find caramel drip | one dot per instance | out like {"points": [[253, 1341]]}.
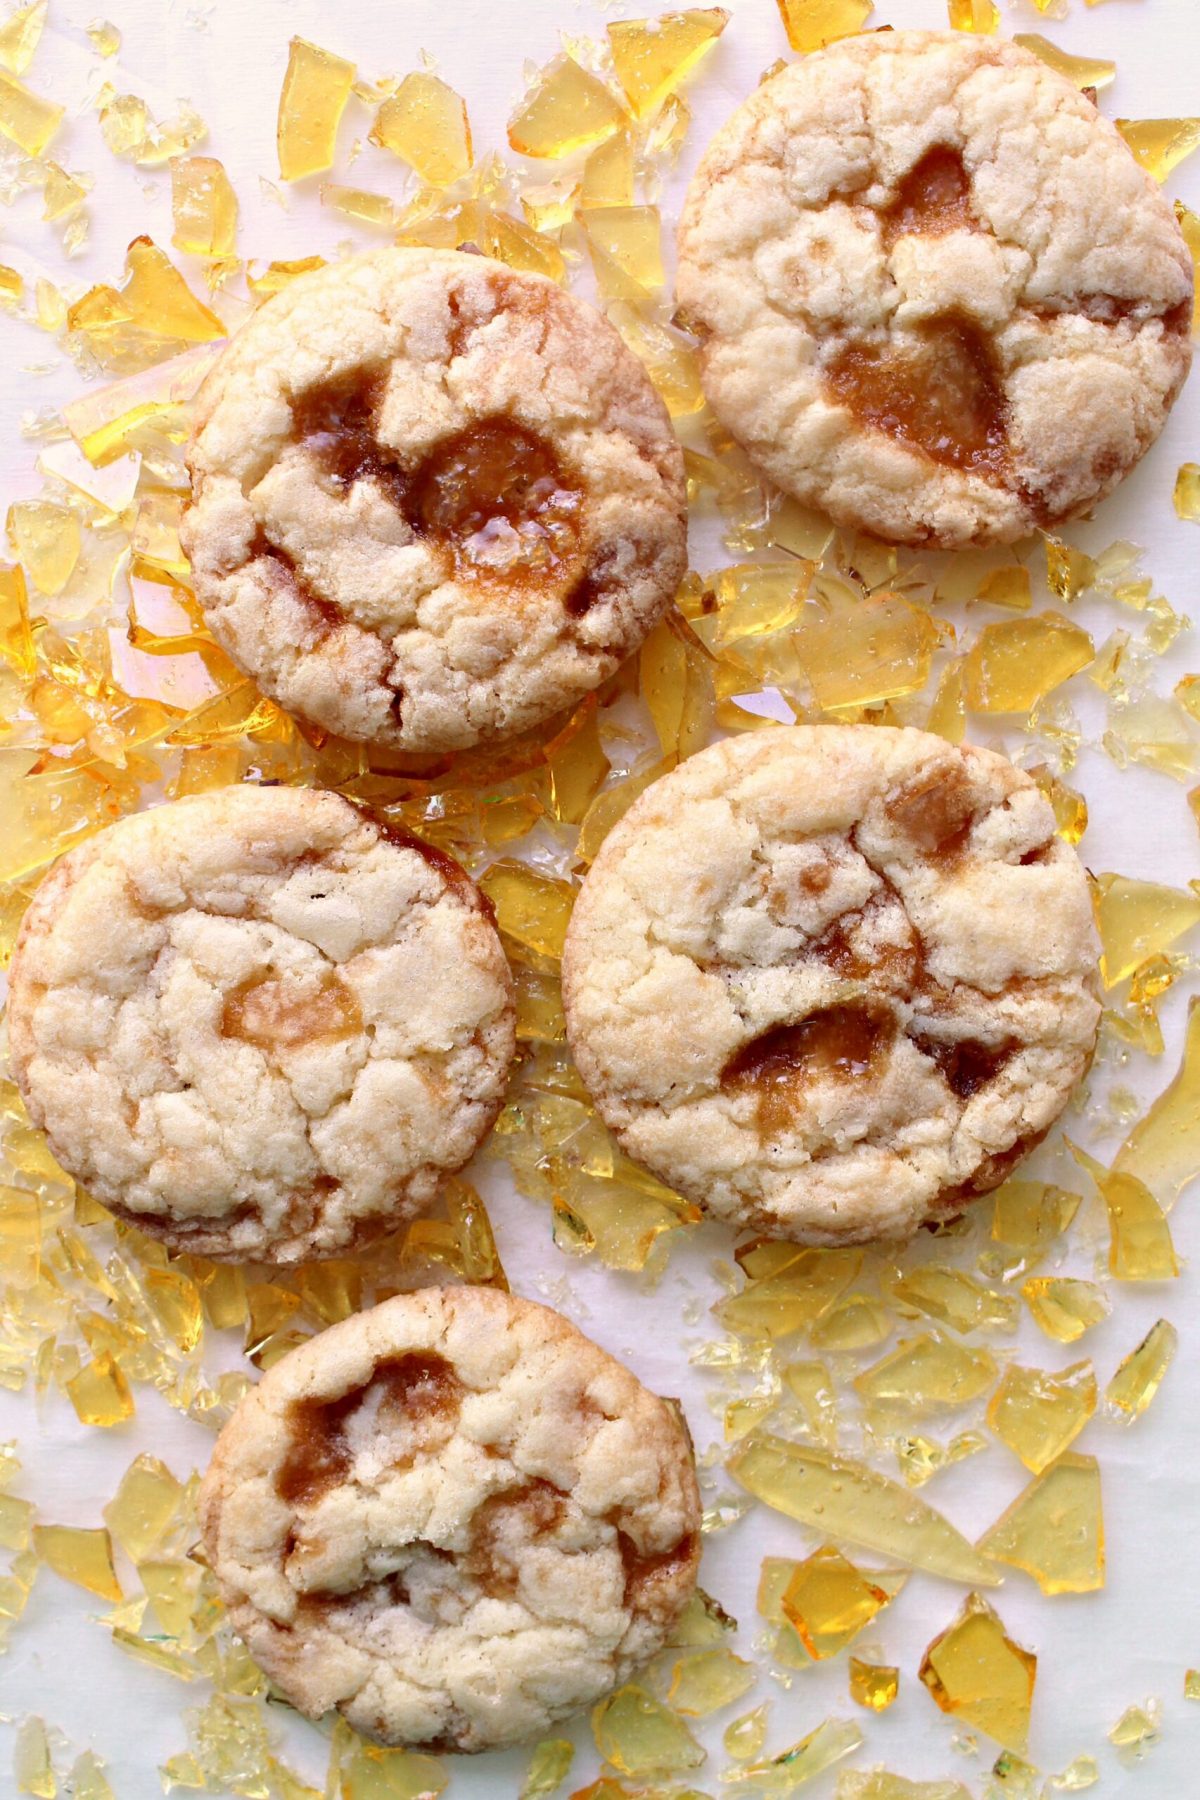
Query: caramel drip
{"points": [[939, 394], [417, 1389]]}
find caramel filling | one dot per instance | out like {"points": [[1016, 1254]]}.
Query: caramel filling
{"points": [[933, 198], [418, 1390], [285, 1012], [842, 1041], [967, 1065], [936, 811], [644, 1572], [940, 394]]}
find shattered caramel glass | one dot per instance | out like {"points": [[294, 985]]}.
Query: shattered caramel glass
{"points": [[811, 24], [1039, 1414], [652, 56], [873, 1685], [425, 124], [316, 87], [975, 1671], [1140, 1374], [1054, 1531]]}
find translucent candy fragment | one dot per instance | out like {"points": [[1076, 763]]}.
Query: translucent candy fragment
{"points": [[20, 34], [1187, 492], [16, 635], [144, 1508], [79, 1555], [1069, 571], [1140, 1374], [106, 39], [1160, 144], [566, 109], [33, 1767], [1163, 1148], [881, 1784], [955, 1299], [16, 1522], [922, 1457], [1039, 1414], [640, 1736], [129, 130], [1014, 663], [778, 1777], [1137, 920], [607, 178], [855, 1504], [425, 123], [1189, 224], [745, 1737], [1191, 1685], [511, 241], [1064, 1307], [104, 421], [829, 1601], [873, 1685], [549, 1767], [670, 364], [1080, 1773], [756, 599], [676, 680], [948, 712], [708, 1680], [1029, 1215], [652, 56], [1137, 1728], [86, 1779], [1084, 71], [795, 1296], [811, 23], [1069, 807], [857, 649], [1140, 1247], [28, 121], [278, 275], [626, 250], [203, 206], [927, 1374], [316, 87], [355, 203], [47, 538], [12, 287], [980, 16], [1055, 1529], [975, 1671], [856, 1323], [100, 1393], [532, 910], [1007, 586]]}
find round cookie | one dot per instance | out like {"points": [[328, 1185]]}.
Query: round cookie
{"points": [[434, 502], [936, 294], [259, 1022], [832, 981], [454, 1518]]}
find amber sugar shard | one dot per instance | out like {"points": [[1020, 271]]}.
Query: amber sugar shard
{"points": [[549, 1767], [812, 23], [1163, 1148], [927, 1374], [1084, 71], [975, 1671], [316, 87], [1160, 144], [1140, 1374], [954, 1298], [27, 120], [652, 56], [979, 16], [1038, 1414], [1055, 1529], [873, 1685], [81, 1556], [566, 109], [847, 1500], [1140, 1246], [639, 1736], [858, 649], [1064, 1306], [203, 206], [626, 251], [799, 1292], [1029, 1215], [1137, 920], [778, 1777], [425, 123], [829, 1601], [1014, 663]]}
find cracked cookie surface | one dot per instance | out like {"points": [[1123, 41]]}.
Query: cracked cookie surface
{"points": [[260, 1023], [453, 1517], [434, 502], [832, 981], [936, 294]]}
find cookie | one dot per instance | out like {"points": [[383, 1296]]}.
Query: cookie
{"points": [[260, 1023], [832, 981], [936, 294], [454, 1518], [434, 502]]}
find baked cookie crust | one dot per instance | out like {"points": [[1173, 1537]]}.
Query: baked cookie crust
{"points": [[434, 502], [936, 294], [455, 1518], [260, 1024], [833, 981]]}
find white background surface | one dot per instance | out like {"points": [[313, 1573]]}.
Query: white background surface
{"points": [[1099, 1652]]}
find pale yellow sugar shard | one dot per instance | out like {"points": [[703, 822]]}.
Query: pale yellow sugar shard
{"points": [[1140, 1374], [882, 1784], [835, 1494], [103, 421], [1160, 144], [27, 120], [801, 1762], [607, 178], [652, 56], [626, 248], [1014, 663], [48, 539], [548, 1768], [316, 87], [1085, 71], [979, 16], [1065, 1307], [1163, 1148], [1137, 920], [639, 1736], [954, 1298], [33, 1766], [425, 123], [1136, 1729], [145, 1507], [1029, 1215], [745, 1736], [1054, 1531], [86, 1779], [810, 24], [105, 37], [100, 1393], [927, 1374], [1140, 1246], [79, 1555], [63, 193], [1038, 1414], [708, 1680], [364, 208], [204, 207], [20, 33], [567, 109], [1189, 225]]}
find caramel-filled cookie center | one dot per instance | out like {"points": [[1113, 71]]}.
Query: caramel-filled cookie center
{"points": [[417, 1394], [286, 1012], [933, 198], [494, 496], [938, 393], [843, 1041]]}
